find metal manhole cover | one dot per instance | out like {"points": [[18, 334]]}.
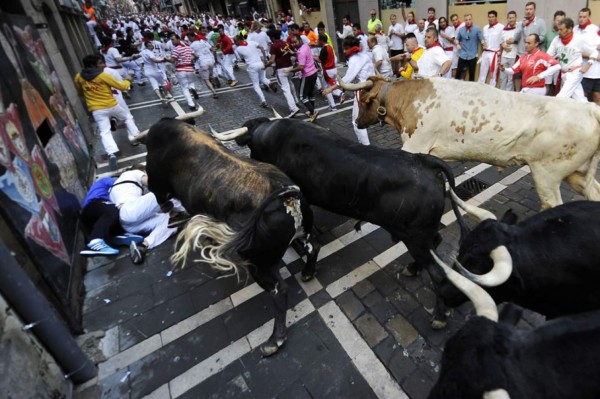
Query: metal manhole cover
{"points": [[470, 188]]}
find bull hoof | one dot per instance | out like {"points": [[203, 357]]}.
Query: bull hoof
{"points": [[307, 277], [408, 271], [438, 324], [272, 347]]}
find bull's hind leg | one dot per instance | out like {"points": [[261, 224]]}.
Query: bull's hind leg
{"points": [[547, 184], [419, 248], [591, 190], [310, 249], [270, 280]]}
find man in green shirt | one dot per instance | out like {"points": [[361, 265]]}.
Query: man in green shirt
{"points": [[373, 22], [551, 34]]}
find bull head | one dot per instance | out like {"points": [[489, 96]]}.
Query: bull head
{"points": [[191, 115], [498, 275], [235, 133], [482, 301]]}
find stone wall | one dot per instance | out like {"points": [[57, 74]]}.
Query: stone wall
{"points": [[26, 369]]}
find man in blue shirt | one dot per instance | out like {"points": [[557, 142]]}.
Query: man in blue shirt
{"points": [[467, 41]]}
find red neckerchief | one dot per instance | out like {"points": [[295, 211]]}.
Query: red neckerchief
{"points": [[456, 25], [412, 23], [242, 43], [567, 39], [492, 25], [106, 48], [360, 32], [430, 20], [351, 51], [348, 24], [435, 44], [588, 23], [468, 28], [508, 27], [528, 21]]}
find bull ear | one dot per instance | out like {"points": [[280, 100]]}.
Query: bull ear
{"points": [[509, 217], [367, 97]]}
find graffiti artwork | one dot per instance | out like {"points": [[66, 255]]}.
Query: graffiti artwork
{"points": [[44, 157]]}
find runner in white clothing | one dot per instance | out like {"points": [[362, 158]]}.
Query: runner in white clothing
{"points": [[360, 67], [155, 72], [489, 61], [569, 48], [253, 53], [205, 61], [139, 212]]}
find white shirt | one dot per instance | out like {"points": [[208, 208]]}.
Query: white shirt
{"points": [[594, 40], [150, 65], [251, 53], [396, 41], [363, 43], [360, 67], [261, 38], [493, 36], [420, 37], [592, 28], [111, 57], [509, 34], [411, 28], [380, 54], [383, 41], [126, 192], [571, 54], [202, 50], [445, 43], [431, 61]]}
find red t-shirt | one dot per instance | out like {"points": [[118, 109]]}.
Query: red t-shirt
{"points": [[226, 44], [283, 54]]}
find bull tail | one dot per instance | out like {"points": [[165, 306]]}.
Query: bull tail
{"points": [[445, 169], [210, 238]]}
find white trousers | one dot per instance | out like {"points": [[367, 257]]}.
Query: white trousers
{"points": [[135, 68], [155, 77], [228, 61], [538, 91], [287, 87], [143, 215], [361, 134], [571, 86], [186, 82], [486, 60], [257, 76], [506, 80], [102, 118], [332, 73]]}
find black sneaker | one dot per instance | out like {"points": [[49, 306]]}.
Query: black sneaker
{"points": [[293, 113], [112, 162], [113, 125], [193, 107], [137, 252], [273, 87], [179, 219], [194, 93], [264, 104]]}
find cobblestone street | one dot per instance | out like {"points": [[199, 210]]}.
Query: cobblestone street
{"points": [[360, 329]]}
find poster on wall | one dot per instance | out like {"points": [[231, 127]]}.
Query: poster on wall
{"points": [[44, 156]]}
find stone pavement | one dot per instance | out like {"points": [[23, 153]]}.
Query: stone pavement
{"points": [[358, 330]]}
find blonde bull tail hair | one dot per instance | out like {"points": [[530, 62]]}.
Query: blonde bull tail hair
{"points": [[208, 238]]}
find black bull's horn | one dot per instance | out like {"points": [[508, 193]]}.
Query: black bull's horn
{"points": [[501, 271], [367, 84], [143, 134], [482, 301], [232, 134], [479, 213]]}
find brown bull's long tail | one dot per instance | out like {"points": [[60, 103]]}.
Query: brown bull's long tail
{"points": [[209, 238], [445, 169]]}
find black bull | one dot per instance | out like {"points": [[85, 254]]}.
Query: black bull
{"points": [[255, 210], [403, 193], [553, 264], [491, 360]]}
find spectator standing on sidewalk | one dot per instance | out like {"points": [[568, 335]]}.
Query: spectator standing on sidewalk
{"points": [[467, 41]]}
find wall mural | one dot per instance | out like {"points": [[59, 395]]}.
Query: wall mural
{"points": [[44, 157]]}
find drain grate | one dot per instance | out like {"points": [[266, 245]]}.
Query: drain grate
{"points": [[470, 188]]}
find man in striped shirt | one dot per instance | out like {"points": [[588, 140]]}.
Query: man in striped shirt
{"points": [[183, 57]]}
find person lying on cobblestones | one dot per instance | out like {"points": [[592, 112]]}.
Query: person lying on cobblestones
{"points": [[139, 212], [101, 218]]}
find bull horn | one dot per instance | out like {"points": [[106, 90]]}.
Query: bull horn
{"points": [[277, 116], [367, 84], [496, 394], [482, 301], [191, 115], [498, 275], [230, 134], [480, 213]]}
